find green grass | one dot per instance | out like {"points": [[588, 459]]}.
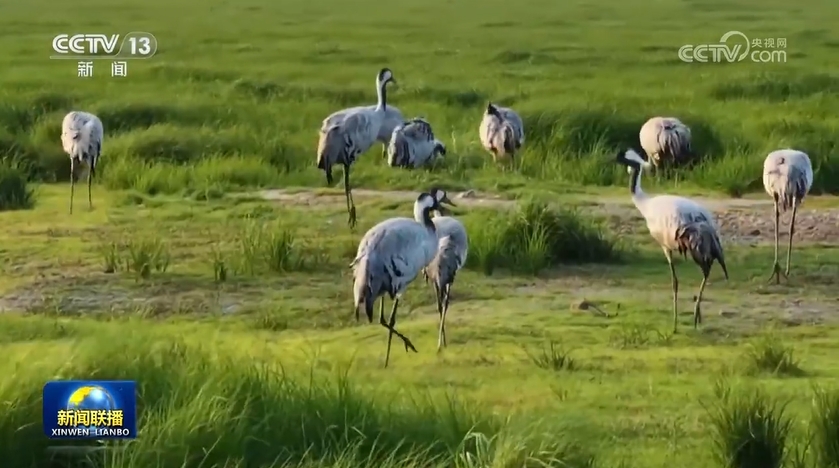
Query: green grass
{"points": [[234, 313], [537, 236], [230, 361], [240, 105], [15, 192]]}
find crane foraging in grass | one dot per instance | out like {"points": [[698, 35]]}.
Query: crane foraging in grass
{"points": [[413, 145], [389, 257], [501, 132], [666, 140], [676, 223], [345, 134], [787, 178], [82, 134], [452, 251]]}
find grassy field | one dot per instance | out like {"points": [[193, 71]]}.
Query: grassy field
{"points": [[232, 307]]}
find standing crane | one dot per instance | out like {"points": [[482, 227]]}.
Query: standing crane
{"points": [[452, 251], [501, 132], [666, 140], [676, 223], [81, 136], [787, 178], [413, 145], [345, 134], [389, 257]]}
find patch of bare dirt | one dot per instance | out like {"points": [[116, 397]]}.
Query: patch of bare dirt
{"points": [[72, 296], [331, 200], [745, 221]]}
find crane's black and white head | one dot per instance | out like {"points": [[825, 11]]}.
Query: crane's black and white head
{"points": [[441, 197], [385, 76], [634, 163], [632, 160], [492, 109], [439, 148]]}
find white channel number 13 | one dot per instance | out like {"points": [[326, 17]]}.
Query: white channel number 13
{"points": [[141, 45], [144, 45]]}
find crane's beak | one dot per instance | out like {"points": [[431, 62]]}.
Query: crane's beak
{"points": [[444, 211]]}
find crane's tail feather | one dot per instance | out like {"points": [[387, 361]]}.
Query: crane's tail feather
{"points": [[368, 302], [365, 286], [701, 240], [675, 144], [724, 269], [330, 146], [509, 138], [79, 141], [397, 151], [443, 269]]}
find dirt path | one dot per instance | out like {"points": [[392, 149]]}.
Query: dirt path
{"points": [[741, 220]]}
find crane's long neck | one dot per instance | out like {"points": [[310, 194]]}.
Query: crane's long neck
{"points": [[422, 214], [381, 92], [638, 195]]}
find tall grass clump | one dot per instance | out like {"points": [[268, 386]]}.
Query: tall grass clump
{"points": [[147, 254], [769, 355], [198, 408], [824, 428], [552, 356], [537, 236], [749, 429], [111, 258], [268, 248], [15, 192]]}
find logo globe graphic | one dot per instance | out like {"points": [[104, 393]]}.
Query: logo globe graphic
{"points": [[91, 398]]}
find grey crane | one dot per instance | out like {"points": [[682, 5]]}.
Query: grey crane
{"points": [[82, 135], [501, 131], [413, 145], [787, 178], [452, 252], [389, 257], [676, 223], [345, 134], [666, 140]]}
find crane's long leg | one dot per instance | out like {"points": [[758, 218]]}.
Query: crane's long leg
{"points": [[392, 331], [776, 267], [791, 232], [348, 193], [90, 173], [72, 183], [438, 294], [675, 282], [382, 310], [697, 313], [445, 313]]}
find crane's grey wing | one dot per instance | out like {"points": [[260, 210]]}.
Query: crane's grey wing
{"points": [[453, 230], [337, 117], [516, 122], [489, 130], [398, 149], [674, 138], [400, 248], [418, 129], [703, 243], [374, 236], [788, 175], [393, 119], [697, 214]]}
